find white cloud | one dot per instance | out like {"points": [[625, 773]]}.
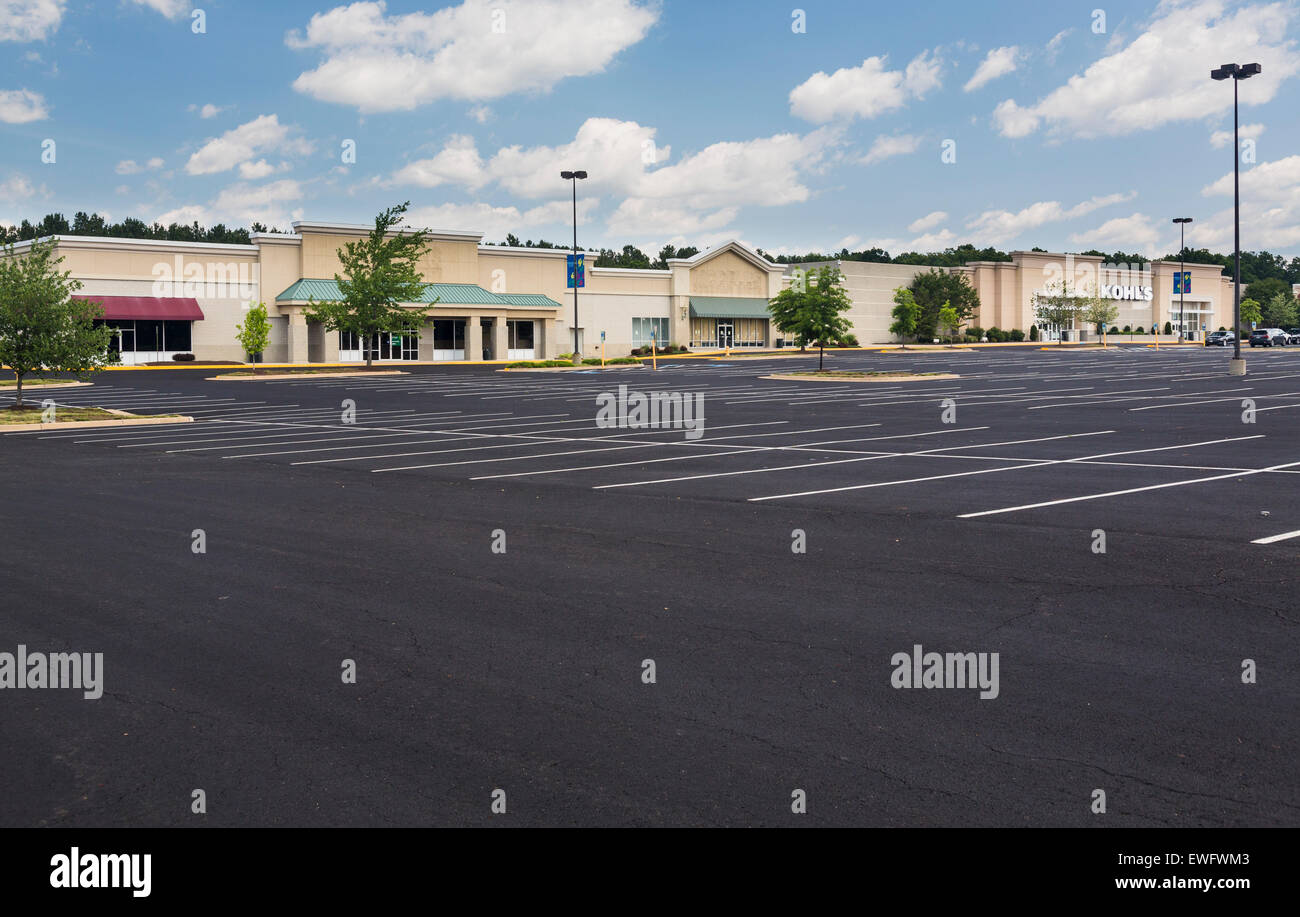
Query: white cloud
{"points": [[932, 241], [1265, 178], [929, 221], [480, 113], [261, 203], [1137, 233], [243, 143], [481, 49], [459, 164], [172, 9], [864, 91], [998, 226], [1220, 139], [30, 20], [641, 216], [18, 188], [1054, 44], [209, 111], [131, 167], [886, 146], [18, 106], [998, 62], [1163, 75], [494, 222], [255, 170], [190, 213]]}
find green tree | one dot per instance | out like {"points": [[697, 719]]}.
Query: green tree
{"points": [[254, 332], [1250, 312], [949, 321], [1057, 305], [905, 313], [812, 309], [41, 325], [380, 273], [1279, 310], [932, 290], [1095, 311]]}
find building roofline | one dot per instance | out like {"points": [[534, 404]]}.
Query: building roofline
{"points": [[364, 228], [122, 242]]}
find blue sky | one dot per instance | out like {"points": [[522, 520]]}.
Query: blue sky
{"points": [[698, 122]]}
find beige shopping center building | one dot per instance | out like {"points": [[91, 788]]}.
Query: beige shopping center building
{"points": [[489, 302]]}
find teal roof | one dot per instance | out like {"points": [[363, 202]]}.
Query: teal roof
{"points": [[728, 307], [461, 294], [529, 299]]}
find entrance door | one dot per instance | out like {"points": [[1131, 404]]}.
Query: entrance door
{"points": [[726, 334]]}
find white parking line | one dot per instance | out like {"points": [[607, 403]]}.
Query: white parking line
{"points": [[1035, 464], [1272, 538]]}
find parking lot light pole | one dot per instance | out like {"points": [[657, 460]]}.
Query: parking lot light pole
{"points": [[1182, 281], [1237, 73], [573, 177]]}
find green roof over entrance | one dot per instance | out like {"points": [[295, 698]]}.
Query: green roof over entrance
{"points": [[728, 307], [451, 294]]}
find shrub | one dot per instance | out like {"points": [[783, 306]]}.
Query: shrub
{"points": [[1128, 329], [994, 334], [183, 357], [1155, 329], [1138, 330], [849, 340], [1033, 332], [975, 331], [1169, 328], [972, 339], [1221, 328], [1016, 335]]}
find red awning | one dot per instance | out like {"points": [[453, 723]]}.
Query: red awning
{"points": [[170, 308]]}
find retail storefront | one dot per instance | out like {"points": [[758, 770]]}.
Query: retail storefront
{"points": [[148, 329]]}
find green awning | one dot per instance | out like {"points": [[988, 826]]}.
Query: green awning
{"points": [[450, 294], [728, 307]]}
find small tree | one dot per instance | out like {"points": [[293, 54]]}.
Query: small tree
{"points": [[813, 309], [41, 325], [1056, 305], [1280, 310], [1250, 312], [379, 274], [1033, 332], [1098, 311], [949, 320], [906, 313], [1169, 327], [254, 332]]}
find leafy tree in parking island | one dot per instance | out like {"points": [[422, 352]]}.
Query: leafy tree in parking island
{"points": [[1097, 310], [905, 314], [949, 321], [935, 289], [254, 332], [1250, 313], [380, 272], [1280, 310], [1058, 306], [812, 309], [41, 325]]}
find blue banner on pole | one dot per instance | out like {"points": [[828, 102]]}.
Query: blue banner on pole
{"points": [[577, 271], [1182, 282]]}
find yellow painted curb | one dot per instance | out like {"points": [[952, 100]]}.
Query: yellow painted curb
{"points": [[306, 375], [569, 369]]}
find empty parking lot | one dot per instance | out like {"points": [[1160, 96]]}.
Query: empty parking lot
{"points": [[500, 569]]}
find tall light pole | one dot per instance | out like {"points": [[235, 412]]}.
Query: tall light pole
{"points": [[574, 176], [1182, 280], [1237, 73]]}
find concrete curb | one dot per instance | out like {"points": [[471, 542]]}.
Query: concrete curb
{"points": [[32, 388], [85, 424]]}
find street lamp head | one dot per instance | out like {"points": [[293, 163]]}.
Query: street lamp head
{"points": [[579, 174], [1246, 71], [1182, 219], [1224, 72], [566, 175]]}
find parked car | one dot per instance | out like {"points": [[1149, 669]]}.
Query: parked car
{"points": [[1268, 337], [1219, 339], [1293, 335]]}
